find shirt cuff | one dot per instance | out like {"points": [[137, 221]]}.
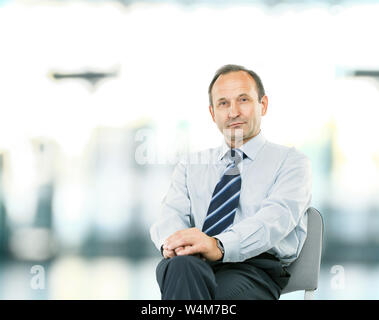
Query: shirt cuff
{"points": [[231, 244], [162, 250]]}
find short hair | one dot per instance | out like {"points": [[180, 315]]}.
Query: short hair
{"points": [[235, 68]]}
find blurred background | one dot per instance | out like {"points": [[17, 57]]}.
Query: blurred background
{"points": [[89, 87]]}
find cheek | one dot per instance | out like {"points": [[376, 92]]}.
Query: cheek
{"points": [[220, 124], [220, 119], [253, 117], [254, 114]]}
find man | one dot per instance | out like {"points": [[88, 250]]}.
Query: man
{"points": [[230, 225]]}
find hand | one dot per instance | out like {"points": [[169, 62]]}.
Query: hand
{"points": [[167, 254], [180, 249], [192, 241]]}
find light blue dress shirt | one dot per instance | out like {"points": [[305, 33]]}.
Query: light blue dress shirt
{"points": [[275, 194]]}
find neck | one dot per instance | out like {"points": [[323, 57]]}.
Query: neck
{"points": [[233, 143]]}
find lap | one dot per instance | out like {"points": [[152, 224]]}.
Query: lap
{"points": [[248, 280], [255, 278]]}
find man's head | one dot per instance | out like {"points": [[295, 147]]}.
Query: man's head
{"points": [[237, 101]]}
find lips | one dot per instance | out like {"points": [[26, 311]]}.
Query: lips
{"points": [[236, 124]]}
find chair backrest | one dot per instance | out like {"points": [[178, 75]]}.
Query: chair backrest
{"points": [[306, 268]]}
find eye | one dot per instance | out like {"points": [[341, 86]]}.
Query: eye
{"points": [[222, 103], [244, 99]]}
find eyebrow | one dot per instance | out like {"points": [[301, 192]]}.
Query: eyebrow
{"points": [[239, 96], [244, 94], [220, 99]]}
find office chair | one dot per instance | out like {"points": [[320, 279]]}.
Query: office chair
{"points": [[306, 268]]}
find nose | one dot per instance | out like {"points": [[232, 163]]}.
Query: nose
{"points": [[233, 110]]}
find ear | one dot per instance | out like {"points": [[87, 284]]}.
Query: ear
{"points": [[212, 113], [264, 104]]}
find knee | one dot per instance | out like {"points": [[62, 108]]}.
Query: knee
{"points": [[185, 266], [174, 263], [182, 263], [186, 277]]}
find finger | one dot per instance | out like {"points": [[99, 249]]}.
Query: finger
{"points": [[180, 249], [168, 254], [177, 250], [178, 242], [182, 238], [175, 238], [188, 250]]}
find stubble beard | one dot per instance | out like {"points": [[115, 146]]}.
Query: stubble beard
{"points": [[234, 137]]}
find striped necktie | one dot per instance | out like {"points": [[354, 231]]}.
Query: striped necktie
{"points": [[225, 198]]}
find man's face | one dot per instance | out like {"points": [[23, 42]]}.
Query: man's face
{"points": [[237, 110]]}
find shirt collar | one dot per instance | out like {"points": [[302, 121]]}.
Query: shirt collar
{"points": [[250, 148]]}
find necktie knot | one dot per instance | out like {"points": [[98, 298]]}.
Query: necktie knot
{"points": [[235, 156]]}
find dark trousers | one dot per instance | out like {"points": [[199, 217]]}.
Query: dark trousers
{"points": [[191, 278]]}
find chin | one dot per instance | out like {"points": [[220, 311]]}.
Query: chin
{"points": [[239, 141]]}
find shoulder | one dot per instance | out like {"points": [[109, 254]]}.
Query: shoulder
{"points": [[204, 156], [286, 154], [285, 151]]}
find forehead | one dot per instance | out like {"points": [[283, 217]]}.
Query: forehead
{"points": [[234, 84]]}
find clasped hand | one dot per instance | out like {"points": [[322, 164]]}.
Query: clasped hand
{"points": [[191, 241]]}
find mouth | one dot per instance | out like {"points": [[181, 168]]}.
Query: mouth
{"points": [[235, 124]]}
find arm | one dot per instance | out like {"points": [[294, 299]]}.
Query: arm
{"points": [[278, 215], [175, 209], [172, 234]]}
